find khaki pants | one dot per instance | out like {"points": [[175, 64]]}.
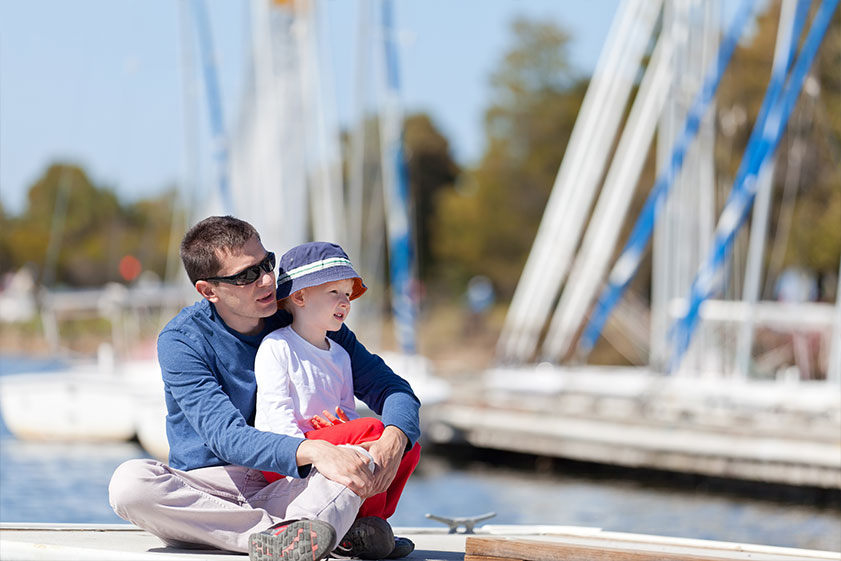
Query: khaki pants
{"points": [[221, 506]]}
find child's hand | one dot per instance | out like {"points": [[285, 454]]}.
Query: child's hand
{"points": [[319, 422]]}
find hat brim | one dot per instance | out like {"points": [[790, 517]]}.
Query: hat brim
{"points": [[359, 288]]}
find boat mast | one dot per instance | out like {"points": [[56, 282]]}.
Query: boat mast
{"points": [[396, 191]]}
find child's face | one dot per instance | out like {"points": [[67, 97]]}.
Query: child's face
{"points": [[327, 305]]}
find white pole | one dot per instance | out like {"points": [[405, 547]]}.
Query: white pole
{"points": [[579, 173], [327, 197], [591, 263], [357, 143], [761, 210]]}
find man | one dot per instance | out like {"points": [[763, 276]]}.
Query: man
{"points": [[212, 492]]}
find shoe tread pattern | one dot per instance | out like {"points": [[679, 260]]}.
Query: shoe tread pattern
{"points": [[303, 540]]}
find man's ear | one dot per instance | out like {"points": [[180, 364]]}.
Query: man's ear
{"points": [[207, 290]]}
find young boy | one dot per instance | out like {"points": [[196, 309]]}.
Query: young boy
{"points": [[302, 375]]}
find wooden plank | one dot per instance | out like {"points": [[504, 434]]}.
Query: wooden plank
{"points": [[534, 550], [486, 558]]}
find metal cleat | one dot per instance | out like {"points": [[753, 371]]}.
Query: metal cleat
{"points": [[469, 522]]}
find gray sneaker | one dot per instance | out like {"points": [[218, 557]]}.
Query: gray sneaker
{"points": [[368, 538], [300, 540]]}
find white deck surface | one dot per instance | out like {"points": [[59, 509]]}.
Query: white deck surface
{"points": [[123, 542]]}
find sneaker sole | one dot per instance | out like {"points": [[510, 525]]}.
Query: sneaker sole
{"points": [[304, 540]]}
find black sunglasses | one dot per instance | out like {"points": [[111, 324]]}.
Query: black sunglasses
{"points": [[249, 274]]}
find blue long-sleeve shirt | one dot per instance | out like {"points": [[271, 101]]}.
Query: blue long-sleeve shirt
{"points": [[210, 390]]}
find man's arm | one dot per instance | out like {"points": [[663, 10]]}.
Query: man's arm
{"points": [[387, 452], [210, 413], [341, 464], [386, 393]]}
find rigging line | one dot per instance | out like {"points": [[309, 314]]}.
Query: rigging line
{"points": [[396, 189], [214, 105], [628, 263], [792, 14], [821, 117], [183, 201], [793, 180], [356, 165], [57, 234], [744, 191]]}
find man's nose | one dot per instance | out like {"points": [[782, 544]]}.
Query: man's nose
{"points": [[266, 278]]}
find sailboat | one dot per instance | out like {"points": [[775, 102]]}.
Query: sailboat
{"points": [[701, 404], [280, 170]]}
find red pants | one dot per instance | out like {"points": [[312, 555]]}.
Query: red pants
{"points": [[368, 429]]}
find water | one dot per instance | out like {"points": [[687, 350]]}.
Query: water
{"points": [[624, 505], [46, 482], [42, 482]]}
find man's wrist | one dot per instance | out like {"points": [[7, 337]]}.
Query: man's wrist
{"points": [[307, 452], [397, 435]]}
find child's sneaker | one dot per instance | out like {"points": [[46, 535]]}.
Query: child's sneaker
{"points": [[402, 548], [300, 540], [369, 537]]}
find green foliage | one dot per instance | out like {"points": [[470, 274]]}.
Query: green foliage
{"points": [[815, 241], [74, 233], [432, 170], [488, 223]]}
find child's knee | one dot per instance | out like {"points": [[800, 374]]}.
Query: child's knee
{"points": [[371, 427]]}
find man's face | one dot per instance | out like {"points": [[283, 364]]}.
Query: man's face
{"points": [[242, 307]]}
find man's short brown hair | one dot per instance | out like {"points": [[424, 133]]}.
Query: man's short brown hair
{"points": [[199, 248]]}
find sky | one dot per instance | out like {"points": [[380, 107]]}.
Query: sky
{"points": [[101, 83]]}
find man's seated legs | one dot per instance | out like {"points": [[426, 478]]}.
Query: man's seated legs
{"points": [[222, 506]]}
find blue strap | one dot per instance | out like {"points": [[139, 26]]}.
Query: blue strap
{"points": [[628, 263], [767, 131], [399, 231]]}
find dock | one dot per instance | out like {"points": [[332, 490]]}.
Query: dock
{"points": [[759, 431], [124, 542]]}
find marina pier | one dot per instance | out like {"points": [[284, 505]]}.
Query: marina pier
{"points": [[750, 430]]}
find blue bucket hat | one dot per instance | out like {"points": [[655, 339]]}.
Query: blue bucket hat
{"points": [[315, 263]]}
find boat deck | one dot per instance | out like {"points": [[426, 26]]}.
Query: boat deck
{"points": [[123, 542]]}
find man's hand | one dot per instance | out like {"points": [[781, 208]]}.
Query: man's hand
{"points": [[340, 464], [387, 453]]}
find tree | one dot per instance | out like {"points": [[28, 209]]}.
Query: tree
{"points": [[431, 170], [75, 233], [487, 224]]}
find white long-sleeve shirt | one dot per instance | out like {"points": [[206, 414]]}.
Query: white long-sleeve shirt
{"points": [[296, 380]]}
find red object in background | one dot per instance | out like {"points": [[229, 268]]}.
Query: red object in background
{"points": [[130, 267]]}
